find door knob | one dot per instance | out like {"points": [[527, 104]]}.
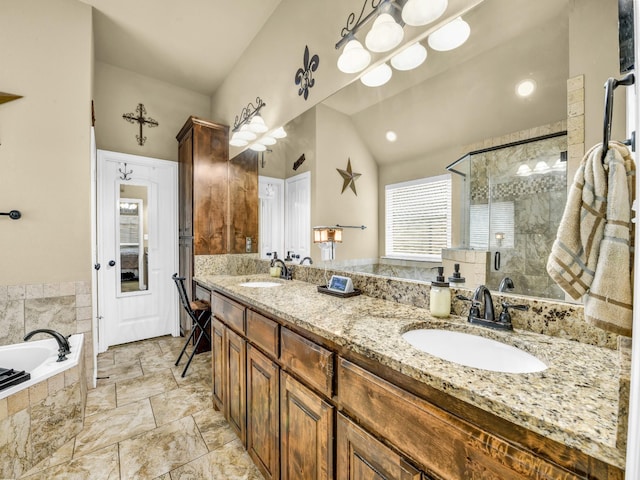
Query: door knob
{"points": [[112, 263]]}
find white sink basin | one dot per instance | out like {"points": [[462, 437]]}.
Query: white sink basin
{"points": [[260, 284], [473, 351]]}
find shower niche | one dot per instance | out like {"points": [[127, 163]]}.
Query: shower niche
{"points": [[513, 200]]}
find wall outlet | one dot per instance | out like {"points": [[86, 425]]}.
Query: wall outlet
{"points": [[248, 244]]}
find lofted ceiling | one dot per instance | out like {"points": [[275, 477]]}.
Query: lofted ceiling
{"points": [[193, 44]]}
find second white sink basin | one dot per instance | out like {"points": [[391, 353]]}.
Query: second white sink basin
{"points": [[260, 284], [473, 351]]}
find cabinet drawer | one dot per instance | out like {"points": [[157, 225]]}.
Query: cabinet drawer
{"points": [[442, 444], [264, 332], [228, 311], [307, 360]]}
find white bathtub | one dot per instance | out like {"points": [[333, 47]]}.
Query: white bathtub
{"points": [[39, 358]]}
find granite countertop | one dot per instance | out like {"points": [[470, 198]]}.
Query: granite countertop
{"points": [[574, 401]]}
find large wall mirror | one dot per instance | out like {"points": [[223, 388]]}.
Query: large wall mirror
{"points": [[458, 101]]}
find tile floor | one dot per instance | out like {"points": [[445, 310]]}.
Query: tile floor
{"points": [[144, 421]]}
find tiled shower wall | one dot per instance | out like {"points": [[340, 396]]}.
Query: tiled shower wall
{"points": [[64, 307], [538, 203]]}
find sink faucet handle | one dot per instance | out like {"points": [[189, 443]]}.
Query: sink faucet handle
{"points": [[474, 309], [505, 316]]}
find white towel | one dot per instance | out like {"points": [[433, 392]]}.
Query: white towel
{"points": [[592, 254]]}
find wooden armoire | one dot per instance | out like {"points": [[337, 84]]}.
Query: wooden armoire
{"points": [[218, 197]]}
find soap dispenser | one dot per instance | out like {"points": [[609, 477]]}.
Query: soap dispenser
{"points": [[440, 296]]}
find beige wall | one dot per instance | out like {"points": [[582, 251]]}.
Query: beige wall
{"points": [[46, 56], [593, 52], [337, 142], [118, 91]]}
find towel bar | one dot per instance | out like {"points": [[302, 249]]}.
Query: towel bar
{"points": [[610, 85]]}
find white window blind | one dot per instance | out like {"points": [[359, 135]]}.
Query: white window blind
{"points": [[418, 218], [502, 221]]}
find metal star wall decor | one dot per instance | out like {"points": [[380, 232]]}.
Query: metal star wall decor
{"points": [[141, 120], [349, 177], [304, 75]]}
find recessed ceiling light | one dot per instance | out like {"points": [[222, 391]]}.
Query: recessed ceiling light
{"points": [[526, 87], [391, 136]]}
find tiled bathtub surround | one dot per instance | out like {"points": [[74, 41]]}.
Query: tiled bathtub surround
{"points": [[64, 307], [35, 422]]}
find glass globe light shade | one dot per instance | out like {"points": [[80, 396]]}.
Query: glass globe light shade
{"points": [[450, 36], [257, 124], [245, 134], [384, 35], [354, 57], [378, 76], [278, 133], [421, 12], [541, 167], [238, 142], [409, 58], [267, 140], [257, 147], [523, 170]]}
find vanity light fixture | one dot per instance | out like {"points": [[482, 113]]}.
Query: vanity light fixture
{"points": [[249, 124], [450, 35], [526, 87], [387, 32], [378, 76], [411, 57]]}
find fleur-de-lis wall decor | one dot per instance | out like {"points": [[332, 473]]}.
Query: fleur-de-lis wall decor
{"points": [[304, 76]]}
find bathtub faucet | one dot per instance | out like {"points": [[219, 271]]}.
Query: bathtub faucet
{"points": [[63, 344]]}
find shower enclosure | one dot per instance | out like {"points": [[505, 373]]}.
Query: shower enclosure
{"points": [[513, 200]]}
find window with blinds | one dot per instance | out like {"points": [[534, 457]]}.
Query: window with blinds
{"points": [[418, 218], [501, 221]]}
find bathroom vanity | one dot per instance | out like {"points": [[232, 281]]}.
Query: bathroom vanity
{"points": [[323, 387]]}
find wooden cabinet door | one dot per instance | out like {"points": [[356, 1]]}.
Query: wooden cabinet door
{"points": [[362, 457], [185, 185], [306, 429], [235, 408], [217, 363], [263, 413]]}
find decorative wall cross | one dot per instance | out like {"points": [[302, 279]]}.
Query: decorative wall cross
{"points": [[141, 120]]}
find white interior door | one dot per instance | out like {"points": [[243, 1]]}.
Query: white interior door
{"points": [[298, 214], [137, 248], [271, 215]]}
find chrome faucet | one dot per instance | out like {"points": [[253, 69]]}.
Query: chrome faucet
{"points": [[306, 258], [506, 284], [285, 272], [63, 344]]}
